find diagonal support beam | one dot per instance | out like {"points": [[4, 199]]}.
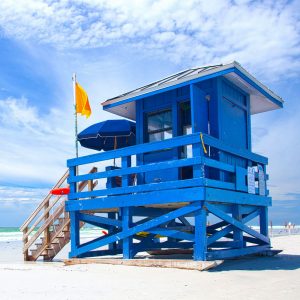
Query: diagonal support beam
{"points": [[99, 221], [219, 234], [225, 231], [217, 212], [216, 226], [184, 221], [100, 242]]}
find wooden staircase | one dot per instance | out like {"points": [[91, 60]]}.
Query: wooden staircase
{"points": [[47, 230]]}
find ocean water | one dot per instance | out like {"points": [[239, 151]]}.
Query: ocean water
{"points": [[11, 243], [13, 234]]}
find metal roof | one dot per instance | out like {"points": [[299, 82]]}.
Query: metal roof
{"points": [[261, 98]]}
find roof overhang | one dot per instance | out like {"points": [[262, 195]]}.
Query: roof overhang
{"points": [[262, 99]]}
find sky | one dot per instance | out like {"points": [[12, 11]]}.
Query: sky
{"points": [[116, 46]]}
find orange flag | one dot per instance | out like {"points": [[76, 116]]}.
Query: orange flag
{"points": [[82, 101]]}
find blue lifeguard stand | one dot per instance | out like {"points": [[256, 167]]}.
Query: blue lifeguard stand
{"points": [[197, 184]]}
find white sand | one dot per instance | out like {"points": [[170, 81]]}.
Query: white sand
{"points": [[251, 278]]}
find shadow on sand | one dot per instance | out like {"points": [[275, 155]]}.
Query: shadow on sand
{"points": [[278, 262]]}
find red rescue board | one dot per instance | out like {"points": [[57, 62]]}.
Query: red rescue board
{"points": [[60, 191]]}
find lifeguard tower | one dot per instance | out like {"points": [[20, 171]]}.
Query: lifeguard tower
{"points": [[190, 182]]}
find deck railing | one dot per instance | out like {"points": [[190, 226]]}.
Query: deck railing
{"points": [[214, 164]]}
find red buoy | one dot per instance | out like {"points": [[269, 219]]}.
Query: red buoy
{"points": [[60, 191]]}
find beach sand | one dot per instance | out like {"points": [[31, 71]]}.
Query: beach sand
{"points": [[247, 278]]}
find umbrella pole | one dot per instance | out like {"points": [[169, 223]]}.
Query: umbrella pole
{"points": [[75, 113]]}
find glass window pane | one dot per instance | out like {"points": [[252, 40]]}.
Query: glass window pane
{"points": [[167, 116], [159, 125], [155, 122], [168, 134], [153, 137], [187, 130]]}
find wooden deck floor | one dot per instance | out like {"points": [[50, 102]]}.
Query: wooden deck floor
{"points": [[186, 264]]}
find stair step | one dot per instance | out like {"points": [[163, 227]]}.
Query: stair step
{"points": [[34, 251], [58, 227], [60, 237]]}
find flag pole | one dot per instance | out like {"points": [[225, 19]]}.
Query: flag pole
{"points": [[75, 112]]}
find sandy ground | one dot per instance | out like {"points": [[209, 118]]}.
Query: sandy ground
{"points": [[248, 278]]}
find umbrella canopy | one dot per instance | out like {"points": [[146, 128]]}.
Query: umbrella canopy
{"points": [[108, 135]]}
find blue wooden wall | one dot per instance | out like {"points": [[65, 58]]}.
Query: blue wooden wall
{"points": [[218, 108]]}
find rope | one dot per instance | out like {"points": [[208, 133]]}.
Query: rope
{"points": [[202, 141]]}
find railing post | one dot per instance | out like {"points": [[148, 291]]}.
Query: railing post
{"points": [[47, 230], [25, 240], [90, 185], [74, 219], [126, 212]]}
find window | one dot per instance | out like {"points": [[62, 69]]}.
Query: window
{"points": [[159, 126]]}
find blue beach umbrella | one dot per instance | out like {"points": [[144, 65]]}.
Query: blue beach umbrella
{"points": [[108, 135]]}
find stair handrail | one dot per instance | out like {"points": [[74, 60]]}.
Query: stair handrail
{"points": [[47, 210], [41, 218], [66, 222], [59, 210], [50, 219], [42, 204]]}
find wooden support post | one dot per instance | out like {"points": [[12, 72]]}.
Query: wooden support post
{"points": [[127, 242], [200, 246], [172, 224], [140, 119], [126, 212], [197, 125], [263, 221], [237, 233], [74, 219], [74, 233], [119, 243], [111, 215]]}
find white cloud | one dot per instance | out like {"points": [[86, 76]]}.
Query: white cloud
{"points": [[262, 35], [34, 147], [10, 195], [278, 140]]}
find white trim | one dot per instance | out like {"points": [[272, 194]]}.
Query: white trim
{"points": [[188, 78]]}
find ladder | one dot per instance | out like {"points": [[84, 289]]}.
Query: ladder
{"points": [[47, 230]]}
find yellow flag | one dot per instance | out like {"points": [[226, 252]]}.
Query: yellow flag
{"points": [[82, 101]]}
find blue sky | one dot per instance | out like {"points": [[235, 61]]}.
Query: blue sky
{"points": [[115, 46]]}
